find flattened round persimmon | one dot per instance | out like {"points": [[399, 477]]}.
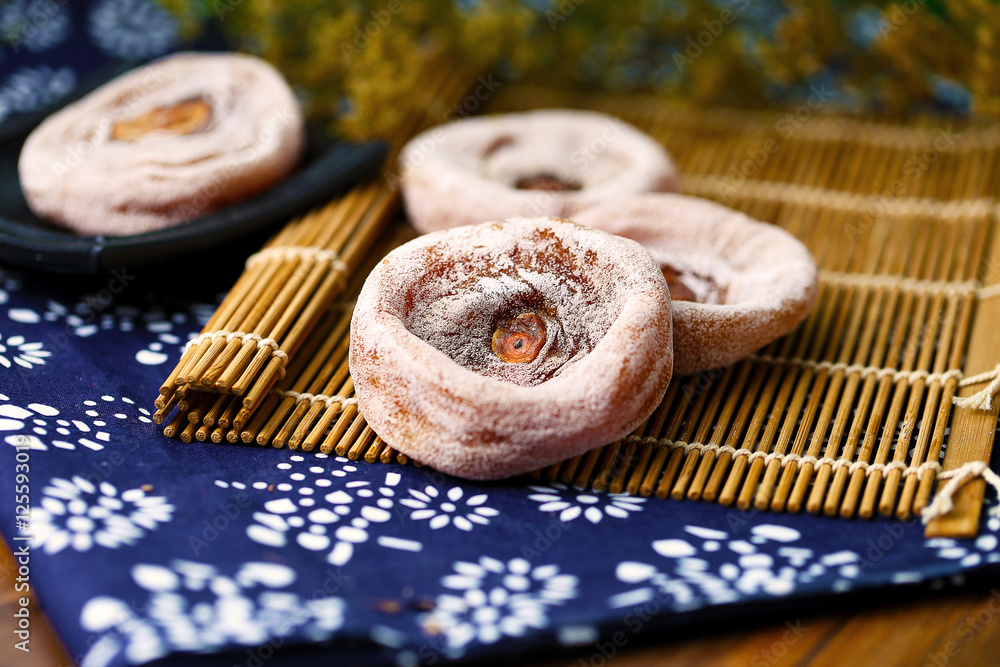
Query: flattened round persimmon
{"points": [[738, 283], [163, 144], [491, 350], [552, 162]]}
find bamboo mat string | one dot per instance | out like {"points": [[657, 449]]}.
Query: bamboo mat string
{"points": [[835, 463], [230, 336], [943, 502], [877, 371], [299, 252], [988, 292], [982, 399], [318, 398]]}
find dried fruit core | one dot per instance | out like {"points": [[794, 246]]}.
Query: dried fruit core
{"points": [[546, 182], [184, 118], [518, 341], [678, 290], [498, 143]]}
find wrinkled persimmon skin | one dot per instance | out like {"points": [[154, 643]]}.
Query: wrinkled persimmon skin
{"points": [[451, 364], [185, 118], [519, 341], [678, 290]]}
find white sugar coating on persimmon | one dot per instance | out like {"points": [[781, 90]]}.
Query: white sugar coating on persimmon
{"points": [[551, 162], [483, 297], [686, 285], [163, 144], [494, 349], [751, 282]]}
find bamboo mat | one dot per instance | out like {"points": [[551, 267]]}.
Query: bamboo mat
{"points": [[849, 415]]}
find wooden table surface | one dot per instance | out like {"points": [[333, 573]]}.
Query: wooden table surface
{"points": [[946, 628]]}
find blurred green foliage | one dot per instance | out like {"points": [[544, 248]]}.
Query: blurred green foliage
{"points": [[353, 61]]}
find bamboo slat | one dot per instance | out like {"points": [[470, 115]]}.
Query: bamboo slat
{"points": [[977, 428], [848, 415], [245, 348]]}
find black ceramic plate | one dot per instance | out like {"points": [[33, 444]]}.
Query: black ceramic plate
{"points": [[328, 167]]}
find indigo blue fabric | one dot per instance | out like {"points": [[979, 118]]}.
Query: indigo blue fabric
{"points": [[50, 46], [145, 548]]}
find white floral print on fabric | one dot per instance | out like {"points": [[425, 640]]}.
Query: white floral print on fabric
{"points": [[172, 332], [767, 562], [984, 549], [10, 281], [91, 316], [18, 350], [132, 29], [297, 469], [490, 599], [572, 503], [193, 607], [86, 321], [23, 316], [16, 418], [335, 523], [313, 515], [35, 25], [31, 88], [40, 426], [452, 507], [74, 513], [972, 553]]}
